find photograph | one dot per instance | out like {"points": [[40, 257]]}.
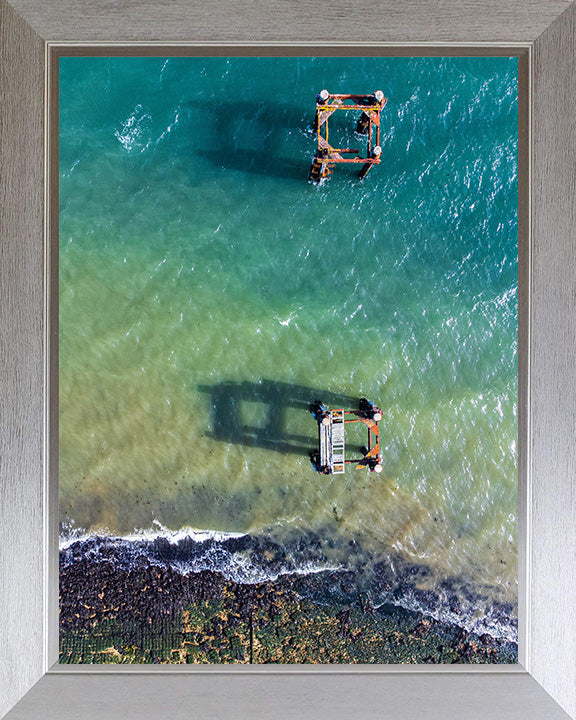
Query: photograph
{"points": [[287, 294]]}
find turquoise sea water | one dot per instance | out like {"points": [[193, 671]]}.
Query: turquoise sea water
{"points": [[208, 292]]}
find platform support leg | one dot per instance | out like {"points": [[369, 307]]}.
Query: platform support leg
{"points": [[365, 170]]}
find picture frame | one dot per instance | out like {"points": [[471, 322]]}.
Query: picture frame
{"points": [[543, 685]]}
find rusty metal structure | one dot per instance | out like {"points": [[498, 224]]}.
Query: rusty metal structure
{"points": [[331, 455], [327, 156]]}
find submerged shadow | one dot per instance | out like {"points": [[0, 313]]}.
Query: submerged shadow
{"points": [[264, 127], [275, 398]]}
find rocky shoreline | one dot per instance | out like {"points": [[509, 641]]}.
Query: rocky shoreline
{"points": [[151, 614]]}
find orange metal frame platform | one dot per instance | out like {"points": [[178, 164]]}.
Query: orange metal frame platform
{"points": [[331, 436], [326, 155]]}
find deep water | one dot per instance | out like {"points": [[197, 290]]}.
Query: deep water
{"points": [[208, 293]]}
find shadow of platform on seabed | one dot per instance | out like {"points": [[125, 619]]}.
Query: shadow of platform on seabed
{"points": [[276, 398], [253, 137]]}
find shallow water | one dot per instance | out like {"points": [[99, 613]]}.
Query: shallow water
{"points": [[208, 293]]}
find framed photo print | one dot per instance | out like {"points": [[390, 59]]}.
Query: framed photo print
{"points": [[289, 335]]}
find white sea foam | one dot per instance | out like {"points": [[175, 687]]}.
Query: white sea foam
{"points": [[193, 551], [134, 132], [70, 536]]}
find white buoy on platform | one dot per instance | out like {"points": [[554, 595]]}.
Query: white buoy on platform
{"points": [[378, 468], [379, 95], [377, 151], [324, 94]]}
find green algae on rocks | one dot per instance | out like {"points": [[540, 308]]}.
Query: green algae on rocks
{"points": [[158, 616]]}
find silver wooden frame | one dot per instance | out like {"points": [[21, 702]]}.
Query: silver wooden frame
{"points": [[543, 686]]}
